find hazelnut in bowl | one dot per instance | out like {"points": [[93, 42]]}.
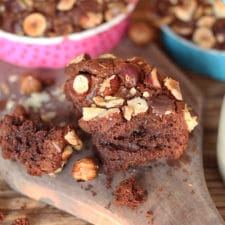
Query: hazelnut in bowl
{"points": [[48, 34], [195, 35]]}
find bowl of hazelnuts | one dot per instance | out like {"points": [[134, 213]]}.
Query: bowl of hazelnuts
{"points": [[194, 33], [49, 33]]}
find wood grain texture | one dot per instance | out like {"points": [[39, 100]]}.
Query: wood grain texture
{"points": [[176, 195]]}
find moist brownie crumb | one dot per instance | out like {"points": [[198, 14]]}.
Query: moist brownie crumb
{"points": [[134, 113], [149, 216], [21, 221], [129, 194], [41, 147]]}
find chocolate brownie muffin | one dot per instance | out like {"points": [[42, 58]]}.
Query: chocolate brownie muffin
{"points": [[56, 17], [133, 113], [41, 147]]}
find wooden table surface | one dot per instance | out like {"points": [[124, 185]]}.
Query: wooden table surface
{"points": [[14, 205]]}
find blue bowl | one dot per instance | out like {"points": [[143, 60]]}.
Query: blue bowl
{"points": [[206, 62]]}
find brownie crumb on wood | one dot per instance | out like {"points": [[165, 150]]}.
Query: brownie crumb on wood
{"points": [[129, 194], [21, 221], [38, 145]]}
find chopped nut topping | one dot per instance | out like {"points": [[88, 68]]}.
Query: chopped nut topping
{"points": [[174, 87], [72, 138], [85, 169], [34, 25], [90, 113], [133, 91], [67, 152], [190, 120], [152, 79], [110, 85], [138, 104], [108, 101], [81, 84], [79, 59], [146, 94], [107, 56], [128, 112]]}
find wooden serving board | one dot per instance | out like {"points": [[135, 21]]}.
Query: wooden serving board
{"points": [[177, 193]]}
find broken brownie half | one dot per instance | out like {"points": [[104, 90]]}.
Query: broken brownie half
{"points": [[133, 113], [41, 147]]}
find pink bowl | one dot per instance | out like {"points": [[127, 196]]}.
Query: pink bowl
{"points": [[58, 51]]}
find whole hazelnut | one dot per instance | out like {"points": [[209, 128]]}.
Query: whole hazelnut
{"points": [[81, 84], [130, 74], [141, 33], [35, 24], [85, 169], [30, 84]]}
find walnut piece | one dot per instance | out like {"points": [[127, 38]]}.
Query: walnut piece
{"points": [[65, 5]]}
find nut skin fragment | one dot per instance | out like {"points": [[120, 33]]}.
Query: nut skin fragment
{"points": [[174, 87], [152, 79], [141, 33], [72, 138], [85, 169], [191, 121], [34, 25], [30, 84], [138, 104], [81, 84], [65, 5], [204, 37]]}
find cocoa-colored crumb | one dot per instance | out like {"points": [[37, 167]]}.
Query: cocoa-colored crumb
{"points": [[21, 221], [149, 216], [129, 194]]}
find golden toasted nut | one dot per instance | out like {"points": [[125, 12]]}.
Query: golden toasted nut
{"points": [[141, 33], [204, 37], [29, 84], [65, 5], [34, 25], [85, 169]]}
